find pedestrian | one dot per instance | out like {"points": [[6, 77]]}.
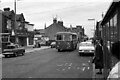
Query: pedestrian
{"points": [[98, 60], [115, 71]]}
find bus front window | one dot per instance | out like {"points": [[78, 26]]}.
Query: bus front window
{"points": [[59, 37], [67, 37]]}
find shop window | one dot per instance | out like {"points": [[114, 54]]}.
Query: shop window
{"points": [[115, 27], [111, 29]]}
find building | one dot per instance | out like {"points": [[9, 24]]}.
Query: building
{"points": [[56, 26], [7, 22], [98, 31], [79, 30], [40, 36], [14, 25], [110, 33], [21, 32], [30, 31]]}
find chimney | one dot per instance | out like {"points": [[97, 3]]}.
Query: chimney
{"points": [[71, 27], [60, 23], [79, 27], [54, 20], [7, 9]]}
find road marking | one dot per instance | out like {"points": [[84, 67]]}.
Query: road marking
{"points": [[29, 77], [69, 67], [88, 67], [66, 64], [83, 69], [89, 61], [70, 64]]}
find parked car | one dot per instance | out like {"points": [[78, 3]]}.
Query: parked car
{"points": [[13, 49], [37, 45], [53, 44], [43, 43], [86, 48]]}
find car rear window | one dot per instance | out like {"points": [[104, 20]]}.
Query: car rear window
{"points": [[86, 44], [10, 47]]}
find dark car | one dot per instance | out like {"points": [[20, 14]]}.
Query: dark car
{"points": [[14, 50], [53, 44]]}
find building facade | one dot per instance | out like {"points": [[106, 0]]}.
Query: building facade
{"points": [[14, 25], [30, 32], [110, 33], [79, 30], [56, 26]]}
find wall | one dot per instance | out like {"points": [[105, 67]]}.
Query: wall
{"points": [[53, 29]]}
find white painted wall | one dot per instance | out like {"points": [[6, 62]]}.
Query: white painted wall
{"points": [[29, 27]]}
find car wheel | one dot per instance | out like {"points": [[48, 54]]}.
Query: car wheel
{"points": [[15, 54], [6, 56], [23, 53], [59, 50]]}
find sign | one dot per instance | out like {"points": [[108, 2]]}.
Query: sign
{"points": [[37, 36]]}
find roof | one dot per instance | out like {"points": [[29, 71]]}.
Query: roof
{"points": [[4, 33], [8, 13], [56, 25], [40, 30], [20, 17], [66, 33]]}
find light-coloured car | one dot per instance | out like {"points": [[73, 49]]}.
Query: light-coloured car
{"points": [[53, 44], [86, 48]]}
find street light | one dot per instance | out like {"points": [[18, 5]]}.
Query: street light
{"points": [[14, 30], [93, 19]]}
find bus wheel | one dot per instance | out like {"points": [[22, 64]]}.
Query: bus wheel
{"points": [[58, 50]]}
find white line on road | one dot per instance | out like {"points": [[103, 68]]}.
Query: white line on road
{"points": [[66, 64], [70, 64], [59, 64], [88, 67], [29, 77], [83, 69], [69, 67]]}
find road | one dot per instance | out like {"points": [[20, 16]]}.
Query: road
{"points": [[48, 63]]}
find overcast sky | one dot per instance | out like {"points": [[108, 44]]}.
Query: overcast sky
{"points": [[71, 12]]}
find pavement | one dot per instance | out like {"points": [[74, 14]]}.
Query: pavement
{"points": [[97, 76], [29, 49]]}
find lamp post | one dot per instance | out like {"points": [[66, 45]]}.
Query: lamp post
{"points": [[93, 19], [14, 29]]}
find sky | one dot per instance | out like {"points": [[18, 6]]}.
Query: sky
{"points": [[71, 12]]}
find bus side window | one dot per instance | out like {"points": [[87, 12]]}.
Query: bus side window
{"points": [[74, 37]]}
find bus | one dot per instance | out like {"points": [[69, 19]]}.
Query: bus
{"points": [[66, 41]]}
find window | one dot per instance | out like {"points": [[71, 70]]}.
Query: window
{"points": [[59, 37], [10, 47], [67, 37], [115, 27], [111, 29]]}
